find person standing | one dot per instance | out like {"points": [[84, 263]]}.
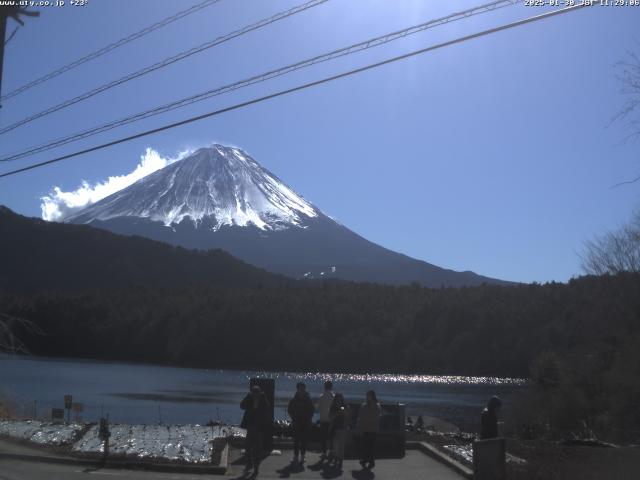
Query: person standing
{"points": [[368, 425], [419, 424], [301, 412], [340, 417], [489, 419], [324, 406], [256, 421]]}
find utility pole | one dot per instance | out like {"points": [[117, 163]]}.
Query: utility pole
{"points": [[13, 11]]}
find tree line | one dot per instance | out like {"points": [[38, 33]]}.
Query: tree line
{"points": [[335, 326]]}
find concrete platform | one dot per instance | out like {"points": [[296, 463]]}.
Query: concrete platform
{"points": [[415, 465], [23, 470]]}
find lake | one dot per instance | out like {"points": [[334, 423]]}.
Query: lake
{"points": [[140, 393]]}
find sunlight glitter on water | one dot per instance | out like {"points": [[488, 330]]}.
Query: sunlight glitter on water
{"points": [[395, 378]]}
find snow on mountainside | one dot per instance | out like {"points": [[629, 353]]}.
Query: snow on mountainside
{"points": [[221, 182]]}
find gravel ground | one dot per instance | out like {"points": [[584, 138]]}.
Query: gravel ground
{"points": [[41, 433], [192, 444]]}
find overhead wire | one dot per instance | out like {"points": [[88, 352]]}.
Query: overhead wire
{"points": [[112, 46], [164, 63], [305, 86], [13, 34], [357, 47]]}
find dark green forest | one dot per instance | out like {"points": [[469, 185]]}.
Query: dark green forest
{"points": [[485, 330]]}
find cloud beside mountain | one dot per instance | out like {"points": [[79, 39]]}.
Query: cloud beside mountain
{"points": [[58, 204]]}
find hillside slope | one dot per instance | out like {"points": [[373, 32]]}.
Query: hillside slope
{"points": [[38, 255]]}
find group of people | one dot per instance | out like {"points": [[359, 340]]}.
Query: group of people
{"points": [[418, 426], [335, 421]]}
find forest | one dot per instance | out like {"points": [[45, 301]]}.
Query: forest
{"points": [[333, 326]]}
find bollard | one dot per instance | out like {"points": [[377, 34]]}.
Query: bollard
{"points": [[489, 459], [104, 434]]}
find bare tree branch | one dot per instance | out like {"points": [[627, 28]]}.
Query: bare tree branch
{"points": [[628, 74], [8, 340], [614, 252], [629, 77]]}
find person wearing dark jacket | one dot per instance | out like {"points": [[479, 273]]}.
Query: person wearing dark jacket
{"points": [[324, 407], [489, 419], [256, 421], [301, 412], [367, 426], [340, 418]]}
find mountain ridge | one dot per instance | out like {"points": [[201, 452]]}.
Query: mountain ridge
{"points": [[220, 197], [39, 255]]}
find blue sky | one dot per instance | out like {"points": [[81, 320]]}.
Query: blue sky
{"points": [[492, 156]]}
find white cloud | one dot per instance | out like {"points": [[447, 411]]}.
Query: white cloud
{"points": [[58, 204]]}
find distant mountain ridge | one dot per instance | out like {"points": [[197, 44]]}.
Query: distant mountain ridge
{"points": [[36, 255], [220, 197]]}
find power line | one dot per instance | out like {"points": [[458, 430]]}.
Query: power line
{"points": [[302, 87], [110, 47], [166, 62], [628, 182], [370, 43]]}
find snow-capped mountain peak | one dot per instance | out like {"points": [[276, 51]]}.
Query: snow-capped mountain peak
{"points": [[219, 183]]}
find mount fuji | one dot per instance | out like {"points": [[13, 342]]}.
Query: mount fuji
{"points": [[220, 197]]}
